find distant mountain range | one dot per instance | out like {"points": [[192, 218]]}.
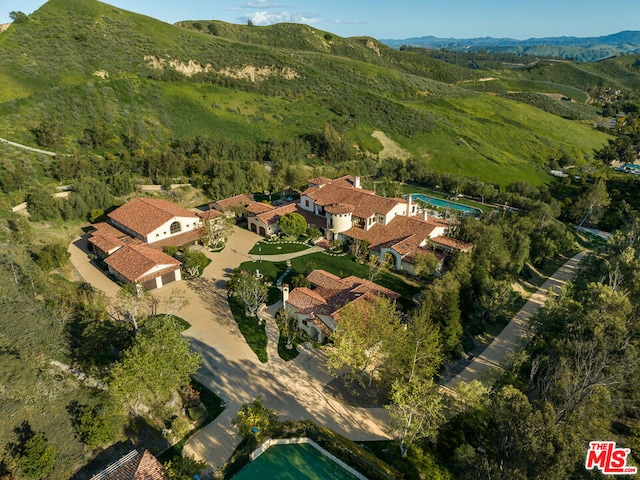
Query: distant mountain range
{"points": [[584, 49]]}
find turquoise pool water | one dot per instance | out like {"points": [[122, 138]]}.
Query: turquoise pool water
{"points": [[438, 202], [293, 462]]}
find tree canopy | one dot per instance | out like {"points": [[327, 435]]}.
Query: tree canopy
{"points": [[159, 361]]}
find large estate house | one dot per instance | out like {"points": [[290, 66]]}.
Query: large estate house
{"points": [[130, 242], [395, 228], [317, 308]]}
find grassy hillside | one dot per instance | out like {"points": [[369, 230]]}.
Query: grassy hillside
{"points": [[89, 67]]}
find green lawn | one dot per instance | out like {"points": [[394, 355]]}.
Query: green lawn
{"points": [[253, 333], [277, 248], [284, 352]]}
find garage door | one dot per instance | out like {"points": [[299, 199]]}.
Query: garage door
{"points": [[149, 284], [168, 278]]}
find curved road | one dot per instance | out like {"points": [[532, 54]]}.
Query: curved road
{"points": [[517, 330]]}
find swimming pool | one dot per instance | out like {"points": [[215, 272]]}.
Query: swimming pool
{"points": [[439, 202], [294, 462]]}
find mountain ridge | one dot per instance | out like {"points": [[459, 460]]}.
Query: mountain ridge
{"points": [[569, 47]]}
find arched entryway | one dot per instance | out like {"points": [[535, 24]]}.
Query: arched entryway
{"points": [[262, 231], [253, 228]]}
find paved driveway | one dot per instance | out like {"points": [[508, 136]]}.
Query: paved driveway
{"points": [[231, 369], [517, 330]]}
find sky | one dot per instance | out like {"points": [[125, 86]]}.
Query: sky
{"points": [[397, 19]]}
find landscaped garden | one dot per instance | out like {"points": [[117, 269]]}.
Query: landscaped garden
{"points": [[278, 247]]}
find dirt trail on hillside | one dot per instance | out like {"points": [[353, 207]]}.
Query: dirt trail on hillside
{"points": [[390, 149]]}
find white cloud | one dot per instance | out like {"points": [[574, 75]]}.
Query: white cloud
{"points": [[349, 22], [268, 18], [262, 4]]}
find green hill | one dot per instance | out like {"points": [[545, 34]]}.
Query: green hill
{"points": [[103, 76]]}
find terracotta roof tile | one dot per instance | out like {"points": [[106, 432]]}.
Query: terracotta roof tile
{"points": [[104, 228], [272, 216], [319, 181], [257, 208], [211, 214], [452, 243], [339, 208], [144, 215], [332, 293], [134, 262], [398, 229], [323, 279], [231, 202], [362, 285], [366, 203], [106, 243], [304, 298], [134, 466]]}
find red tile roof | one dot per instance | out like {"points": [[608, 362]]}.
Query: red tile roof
{"points": [[134, 466], [332, 293], [339, 208], [363, 285], [319, 181], [241, 200], [211, 214], [366, 203], [144, 215], [304, 298], [272, 216], [134, 262], [324, 279], [452, 243], [398, 229], [178, 240], [257, 208], [106, 243]]}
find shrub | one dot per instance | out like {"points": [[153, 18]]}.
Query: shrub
{"points": [[33, 455], [94, 426], [52, 256], [194, 262], [300, 281], [170, 250], [196, 413], [180, 426]]}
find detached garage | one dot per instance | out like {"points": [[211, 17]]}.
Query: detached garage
{"points": [[147, 266]]}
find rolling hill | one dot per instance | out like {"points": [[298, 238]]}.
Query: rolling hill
{"points": [[93, 67]]}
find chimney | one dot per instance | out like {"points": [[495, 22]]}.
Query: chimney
{"points": [[356, 182], [424, 215], [409, 212], [285, 294]]}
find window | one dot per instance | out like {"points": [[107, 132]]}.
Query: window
{"points": [[306, 203], [175, 227], [157, 235]]}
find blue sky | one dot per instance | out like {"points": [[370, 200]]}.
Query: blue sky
{"points": [[398, 19]]}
